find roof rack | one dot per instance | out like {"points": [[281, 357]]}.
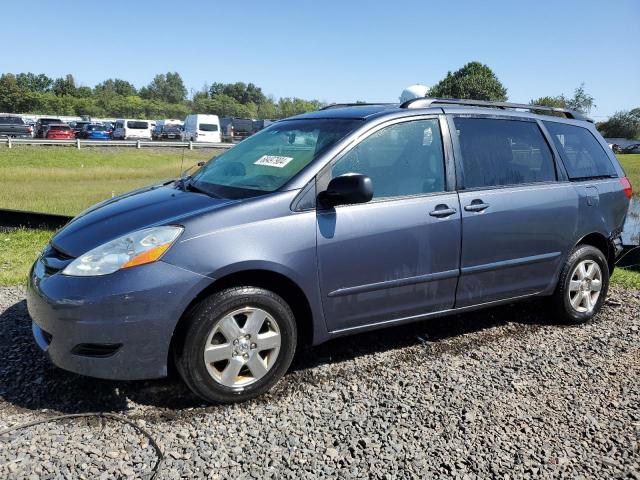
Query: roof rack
{"points": [[359, 104], [429, 101]]}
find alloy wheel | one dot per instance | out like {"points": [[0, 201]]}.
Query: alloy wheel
{"points": [[242, 347], [585, 286]]}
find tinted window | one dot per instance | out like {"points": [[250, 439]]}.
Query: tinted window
{"points": [[137, 125], [503, 152], [60, 127], [208, 127], [581, 153], [402, 159]]}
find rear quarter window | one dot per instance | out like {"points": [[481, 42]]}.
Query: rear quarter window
{"points": [[581, 153]]}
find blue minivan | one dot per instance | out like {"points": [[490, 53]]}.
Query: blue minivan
{"points": [[347, 219]]}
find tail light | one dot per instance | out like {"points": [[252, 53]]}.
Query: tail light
{"points": [[626, 186]]}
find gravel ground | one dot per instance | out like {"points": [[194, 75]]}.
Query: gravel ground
{"points": [[501, 393]]}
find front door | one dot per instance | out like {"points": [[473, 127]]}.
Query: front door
{"points": [[518, 220], [396, 257]]}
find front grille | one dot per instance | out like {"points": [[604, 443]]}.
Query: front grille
{"points": [[98, 350]]}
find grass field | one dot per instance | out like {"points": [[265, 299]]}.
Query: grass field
{"points": [[631, 165], [66, 180]]}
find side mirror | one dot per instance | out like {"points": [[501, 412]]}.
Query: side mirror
{"points": [[346, 189]]}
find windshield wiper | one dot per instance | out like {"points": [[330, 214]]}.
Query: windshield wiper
{"points": [[192, 187]]}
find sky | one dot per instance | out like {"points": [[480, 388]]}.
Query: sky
{"points": [[336, 51]]}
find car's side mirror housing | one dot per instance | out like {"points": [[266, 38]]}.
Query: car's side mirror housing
{"points": [[346, 189]]}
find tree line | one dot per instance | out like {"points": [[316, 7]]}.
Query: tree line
{"points": [[166, 97]]}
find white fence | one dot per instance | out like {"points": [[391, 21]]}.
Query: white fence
{"points": [[78, 143]]}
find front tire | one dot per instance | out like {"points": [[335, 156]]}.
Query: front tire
{"points": [[583, 285], [237, 344]]}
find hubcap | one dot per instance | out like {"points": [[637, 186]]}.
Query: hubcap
{"points": [[242, 347], [585, 286]]}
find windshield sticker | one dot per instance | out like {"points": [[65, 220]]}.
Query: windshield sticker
{"points": [[273, 161]]}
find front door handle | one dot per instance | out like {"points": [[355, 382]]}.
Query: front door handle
{"points": [[442, 210], [476, 206]]}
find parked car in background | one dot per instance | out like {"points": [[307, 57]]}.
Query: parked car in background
{"points": [[161, 124], [242, 128], [78, 126], [226, 129], [13, 126], [32, 124], [327, 224], [109, 127], [635, 148], [201, 128], [130, 129], [59, 131], [615, 147], [43, 123], [260, 124], [155, 132], [170, 132], [237, 129], [95, 132]]}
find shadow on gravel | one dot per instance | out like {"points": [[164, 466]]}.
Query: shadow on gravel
{"points": [[28, 380]]}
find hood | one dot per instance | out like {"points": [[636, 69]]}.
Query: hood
{"points": [[147, 207]]}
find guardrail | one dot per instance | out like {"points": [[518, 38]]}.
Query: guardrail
{"points": [[78, 143]]}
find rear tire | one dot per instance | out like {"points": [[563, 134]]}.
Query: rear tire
{"points": [[583, 285], [237, 344]]}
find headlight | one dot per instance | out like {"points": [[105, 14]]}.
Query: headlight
{"points": [[137, 248]]}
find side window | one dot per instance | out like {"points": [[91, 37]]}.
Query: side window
{"points": [[402, 159], [503, 152], [580, 152]]}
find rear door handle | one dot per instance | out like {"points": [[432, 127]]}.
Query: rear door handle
{"points": [[442, 210], [476, 206]]}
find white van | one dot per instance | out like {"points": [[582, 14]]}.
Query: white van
{"points": [[131, 129], [201, 128]]}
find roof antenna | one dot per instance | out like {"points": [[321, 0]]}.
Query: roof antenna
{"points": [[181, 173]]}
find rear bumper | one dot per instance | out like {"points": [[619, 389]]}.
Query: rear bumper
{"points": [[118, 326], [15, 135]]}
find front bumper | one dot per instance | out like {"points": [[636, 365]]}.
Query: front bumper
{"points": [[116, 326]]}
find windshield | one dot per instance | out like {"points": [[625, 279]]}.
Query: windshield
{"points": [[97, 128], [137, 125], [266, 161]]}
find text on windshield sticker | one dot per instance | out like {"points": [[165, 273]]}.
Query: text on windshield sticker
{"points": [[273, 161]]}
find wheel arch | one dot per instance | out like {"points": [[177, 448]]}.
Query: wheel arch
{"points": [[277, 282], [599, 241]]}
